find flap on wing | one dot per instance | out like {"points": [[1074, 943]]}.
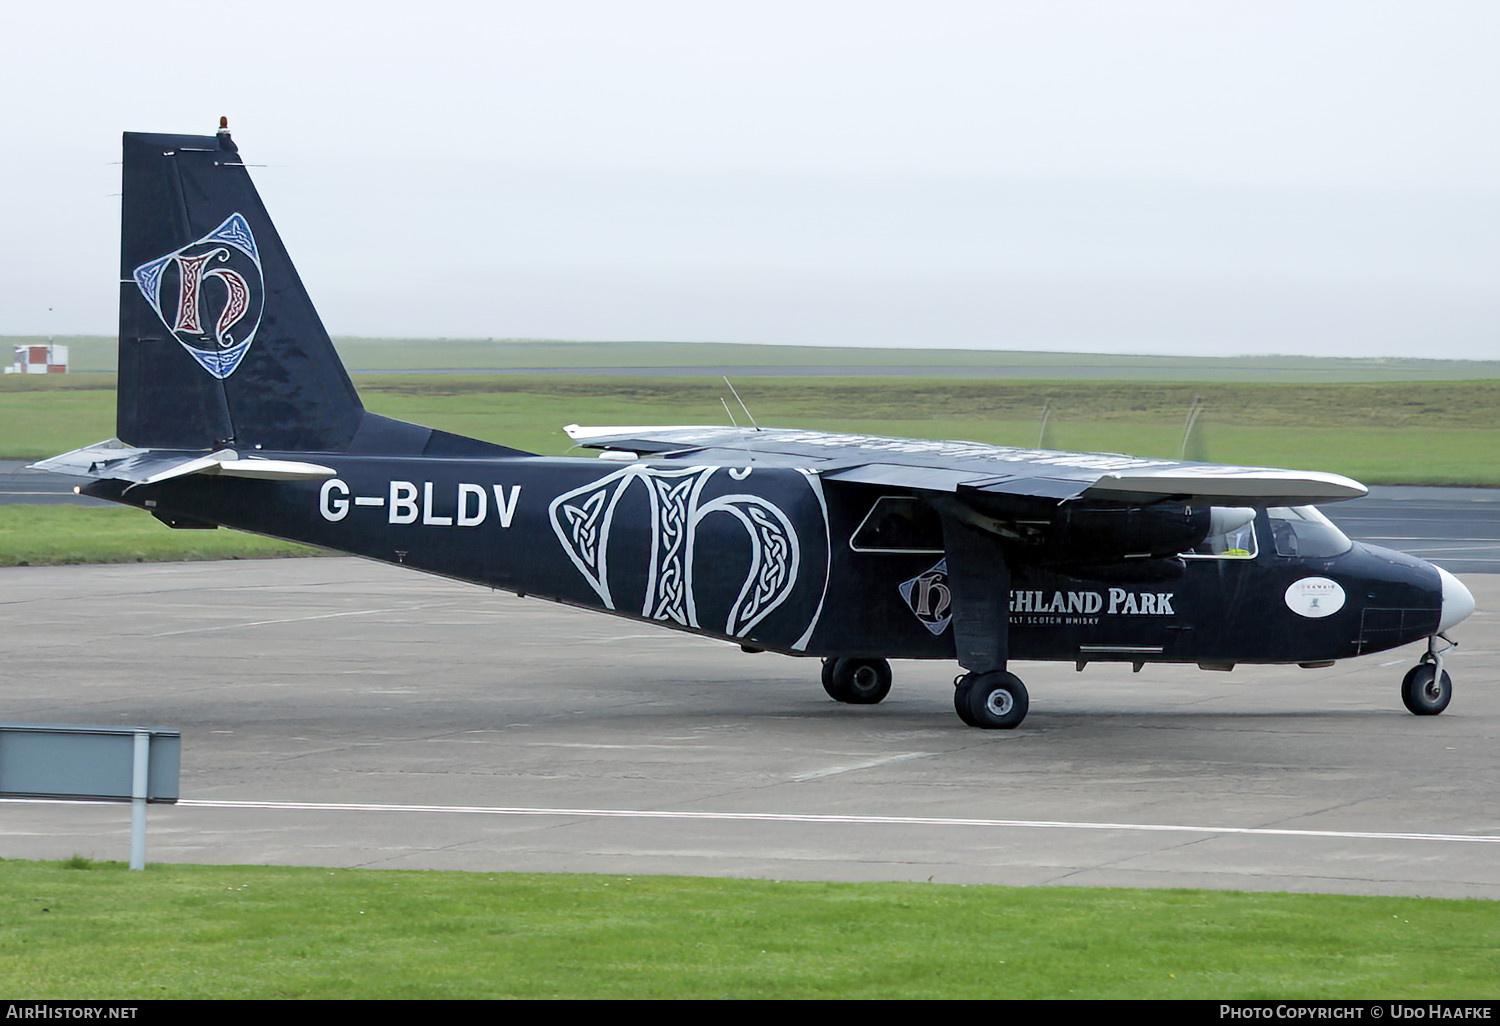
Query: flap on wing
{"points": [[717, 456], [114, 461], [939, 479], [1034, 487], [933, 479], [644, 441]]}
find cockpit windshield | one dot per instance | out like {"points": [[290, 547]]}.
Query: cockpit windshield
{"points": [[1304, 531]]}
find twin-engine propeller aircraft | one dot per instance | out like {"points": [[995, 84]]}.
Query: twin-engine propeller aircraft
{"points": [[234, 410]]}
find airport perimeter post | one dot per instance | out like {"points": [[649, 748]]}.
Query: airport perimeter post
{"points": [[138, 800]]}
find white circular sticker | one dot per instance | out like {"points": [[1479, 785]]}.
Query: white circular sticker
{"points": [[1315, 597]]}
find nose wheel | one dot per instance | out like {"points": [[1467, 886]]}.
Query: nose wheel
{"points": [[1427, 689]]}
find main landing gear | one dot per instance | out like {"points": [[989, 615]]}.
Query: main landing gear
{"points": [[1426, 689], [992, 701], [857, 681]]}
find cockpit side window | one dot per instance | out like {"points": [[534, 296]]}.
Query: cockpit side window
{"points": [[1303, 531], [898, 523], [1236, 543]]}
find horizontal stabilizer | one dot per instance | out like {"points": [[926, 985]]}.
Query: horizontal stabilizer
{"points": [[114, 461], [272, 470]]}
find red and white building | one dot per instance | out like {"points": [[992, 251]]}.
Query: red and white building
{"points": [[45, 359]]}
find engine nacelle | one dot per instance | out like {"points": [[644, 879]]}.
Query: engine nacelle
{"points": [[1099, 533]]}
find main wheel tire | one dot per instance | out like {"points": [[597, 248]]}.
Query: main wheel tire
{"points": [[859, 681], [828, 677], [1426, 692], [961, 699], [996, 701]]}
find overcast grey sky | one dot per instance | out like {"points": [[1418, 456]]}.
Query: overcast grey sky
{"points": [[1168, 177]]}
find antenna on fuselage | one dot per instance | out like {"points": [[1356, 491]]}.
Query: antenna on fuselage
{"points": [[729, 411], [742, 404], [1192, 434]]}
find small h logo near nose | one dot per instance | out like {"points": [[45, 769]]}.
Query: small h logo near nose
{"points": [[928, 596]]}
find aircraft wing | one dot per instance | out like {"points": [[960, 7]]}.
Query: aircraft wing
{"points": [[958, 467]]}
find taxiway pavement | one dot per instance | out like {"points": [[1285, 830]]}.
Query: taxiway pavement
{"points": [[342, 713]]}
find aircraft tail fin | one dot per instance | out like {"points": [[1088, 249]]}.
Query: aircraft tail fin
{"points": [[220, 346], [219, 342]]}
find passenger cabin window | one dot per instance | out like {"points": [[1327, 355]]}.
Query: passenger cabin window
{"points": [[1304, 531], [1238, 543], [898, 523]]}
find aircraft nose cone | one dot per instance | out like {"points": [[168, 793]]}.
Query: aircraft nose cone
{"points": [[1458, 601]]}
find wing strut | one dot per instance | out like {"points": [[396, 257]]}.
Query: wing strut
{"points": [[988, 695], [980, 583]]}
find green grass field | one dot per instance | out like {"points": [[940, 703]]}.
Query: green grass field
{"points": [[82, 930], [56, 535], [96, 353], [1441, 433], [1380, 433]]}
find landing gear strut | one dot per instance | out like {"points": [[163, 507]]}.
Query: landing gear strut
{"points": [[987, 696], [992, 701], [857, 681], [1426, 689]]}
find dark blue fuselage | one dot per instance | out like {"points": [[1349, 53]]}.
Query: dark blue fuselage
{"points": [[764, 556]]}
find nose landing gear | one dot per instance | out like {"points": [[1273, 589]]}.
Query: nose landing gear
{"points": [[1426, 689]]}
